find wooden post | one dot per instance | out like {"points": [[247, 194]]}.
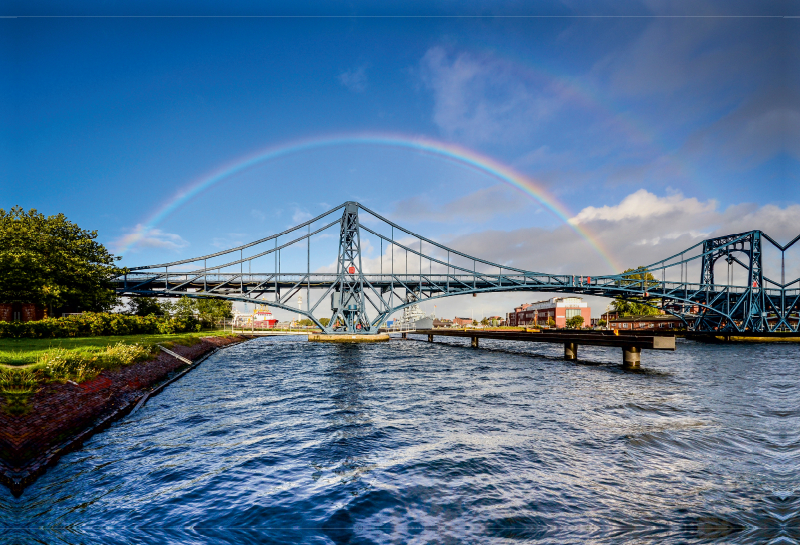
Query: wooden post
{"points": [[430, 338], [631, 357], [570, 351], [474, 343]]}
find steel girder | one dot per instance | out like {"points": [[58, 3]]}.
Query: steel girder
{"points": [[355, 295]]}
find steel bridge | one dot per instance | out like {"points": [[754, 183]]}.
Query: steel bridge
{"points": [[363, 292]]}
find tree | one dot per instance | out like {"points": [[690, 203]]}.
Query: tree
{"points": [[485, 322], [576, 322], [325, 321], [551, 322], [305, 322], [211, 311], [143, 306], [52, 262], [602, 323], [184, 307], [635, 306]]}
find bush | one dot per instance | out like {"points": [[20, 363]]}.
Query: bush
{"points": [[92, 324]]}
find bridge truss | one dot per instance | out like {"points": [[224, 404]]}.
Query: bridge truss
{"points": [[364, 291]]}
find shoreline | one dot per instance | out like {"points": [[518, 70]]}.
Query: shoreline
{"points": [[63, 416]]}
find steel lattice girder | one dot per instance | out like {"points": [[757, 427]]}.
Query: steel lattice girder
{"points": [[355, 294]]}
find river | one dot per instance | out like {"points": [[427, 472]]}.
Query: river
{"points": [[281, 440]]}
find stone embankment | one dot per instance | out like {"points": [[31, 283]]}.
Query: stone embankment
{"points": [[62, 416]]}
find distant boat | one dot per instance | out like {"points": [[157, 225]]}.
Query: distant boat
{"points": [[414, 318]]}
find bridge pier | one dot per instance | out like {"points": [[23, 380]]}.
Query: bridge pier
{"points": [[474, 342], [346, 338], [570, 351], [631, 357], [404, 335]]}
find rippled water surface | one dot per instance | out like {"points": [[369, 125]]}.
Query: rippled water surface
{"points": [[281, 440]]}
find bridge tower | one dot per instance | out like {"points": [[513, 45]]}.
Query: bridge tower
{"points": [[347, 300], [746, 308]]}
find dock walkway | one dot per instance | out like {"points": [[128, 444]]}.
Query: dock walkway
{"points": [[631, 344]]}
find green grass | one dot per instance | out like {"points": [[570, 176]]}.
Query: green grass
{"points": [[16, 353]]}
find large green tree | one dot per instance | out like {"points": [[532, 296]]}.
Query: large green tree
{"points": [[635, 306], [214, 310], [50, 261]]}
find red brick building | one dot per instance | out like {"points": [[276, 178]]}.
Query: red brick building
{"points": [[461, 321], [26, 312], [560, 309]]}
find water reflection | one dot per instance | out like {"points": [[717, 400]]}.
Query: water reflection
{"points": [[284, 441]]}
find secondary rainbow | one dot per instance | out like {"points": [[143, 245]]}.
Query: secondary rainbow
{"points": [[457, 154]]}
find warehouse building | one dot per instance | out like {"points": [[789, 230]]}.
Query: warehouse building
{"points": [[560, 309]]}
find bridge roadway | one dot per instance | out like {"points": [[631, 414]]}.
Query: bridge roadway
{"points": [[255, 285], [631, 344]]}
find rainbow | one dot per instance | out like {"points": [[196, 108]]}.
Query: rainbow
{"points": [[454, 153]]}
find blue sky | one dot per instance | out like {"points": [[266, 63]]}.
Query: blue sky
{"points": [[653, 131]]}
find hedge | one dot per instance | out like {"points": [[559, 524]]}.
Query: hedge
{"points": [[92, 324]]}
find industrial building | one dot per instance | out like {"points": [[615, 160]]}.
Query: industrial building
{"points": [[560, 309]]}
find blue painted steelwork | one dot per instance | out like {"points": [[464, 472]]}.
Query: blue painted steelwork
{"points": [[759, 304]]}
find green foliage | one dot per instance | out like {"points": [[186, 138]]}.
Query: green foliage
{"points": [[325, 321], [52, 262], [95, 324], [635, 306], [61, 364], [576, 322], [551, 322], [211, 311], [17, 385], [184, 308], [602, 323], [485, 322], [144, 306], [305, 322]]}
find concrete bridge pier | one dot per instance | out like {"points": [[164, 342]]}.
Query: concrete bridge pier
{"points": [[631, 357], [570, 351], [474, 342]]}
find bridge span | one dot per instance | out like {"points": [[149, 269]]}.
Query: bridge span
{"points": [[358, 293]]}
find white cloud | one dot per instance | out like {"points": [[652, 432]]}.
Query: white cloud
{"points": [[301, 216], [482, 99], [355, 80], [643, 204], [140, 239], [477, 207], [232, 240]]}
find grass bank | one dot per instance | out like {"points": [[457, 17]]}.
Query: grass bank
{"points": [[21, 353], [28, 364]]}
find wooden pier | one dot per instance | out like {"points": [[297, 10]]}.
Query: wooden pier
{"points": [[631, 344]]}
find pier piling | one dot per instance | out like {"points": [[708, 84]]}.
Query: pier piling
{"points": [[631, 357]]}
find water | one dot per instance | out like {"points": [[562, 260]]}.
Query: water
{"points": [[280, 440]]}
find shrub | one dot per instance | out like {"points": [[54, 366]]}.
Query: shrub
{"points": [[92, 324]]}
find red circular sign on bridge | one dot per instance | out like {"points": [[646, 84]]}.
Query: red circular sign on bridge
{"points": [[351, 269]]}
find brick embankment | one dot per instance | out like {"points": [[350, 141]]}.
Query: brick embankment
{"points": [[62, 416]]}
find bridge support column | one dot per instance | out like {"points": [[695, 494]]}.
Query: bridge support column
{"points": [[631, 357], [403, 335], [570, 351], [474, 342], [430, 338]]}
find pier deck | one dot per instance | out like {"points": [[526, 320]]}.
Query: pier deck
{"points": [[631, 345]]}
